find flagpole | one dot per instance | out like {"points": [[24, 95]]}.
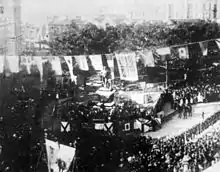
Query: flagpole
{"points": [[166, 73]]}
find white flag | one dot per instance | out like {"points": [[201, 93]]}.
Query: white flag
{"points": [[183, 52], [110, 62], [82, 62], [99, 126], [204, 48], [39, 63], [56, 65], [65, 156], [218, 43], [137, 125], [127, 66], [96, 61], [2, 63], [69, 62], [27, 62], [59, 157], [65, 126], [147, 58], [163, 51], [12, 64], [52, 155]]}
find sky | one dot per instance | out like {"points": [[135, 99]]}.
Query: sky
{"points": [[36, 11]]}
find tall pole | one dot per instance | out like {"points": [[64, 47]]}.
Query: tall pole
{"points": [[166, 73]]}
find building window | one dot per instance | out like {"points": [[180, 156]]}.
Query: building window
{"points": [[189, 10]]}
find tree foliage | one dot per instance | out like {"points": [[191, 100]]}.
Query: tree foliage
{"points": [[92, 39]]}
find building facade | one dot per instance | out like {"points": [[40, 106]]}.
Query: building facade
{"points": [[10, 27], [174, 9]]}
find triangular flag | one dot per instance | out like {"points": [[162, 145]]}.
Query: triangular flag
{"points": [[39, 63], [96, 61], [204, 48], [163, 51], [65, 126], [69, 62], [218, 43], [82, 62], [147, 58], [183, 52], [2, 62], [12, 64]]}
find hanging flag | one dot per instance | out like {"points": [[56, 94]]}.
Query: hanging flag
{"points": [[56, 65], [127, 66], [2, 62], [65, 156], [218, 43], [52, 149], [183, 52], [137, 124], [69, 62], [82, 62], [110, 62], [59, 157], [65, 126], [12, 64], [38, 61], [204, 48], [26, 62], [96, 61], [163, 51], [127, 127], [146, 57], [108, 127], [99, 126]]}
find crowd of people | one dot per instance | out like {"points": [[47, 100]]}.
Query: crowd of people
{"points": [[97, 152]]}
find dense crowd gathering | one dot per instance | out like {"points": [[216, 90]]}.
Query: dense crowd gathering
{"points": [[97, 152]]}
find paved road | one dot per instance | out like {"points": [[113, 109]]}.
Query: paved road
{"points": [[176, 125]]}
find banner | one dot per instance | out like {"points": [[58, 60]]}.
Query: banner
{"points": [[218, 43], [39, 63], [26, 63], [12, 64], [81, 61], [96, 61], [137, 124], [183, 52], [56, 65], [204, 48], [147, 58], [65, 156], [151, 99], [59, 157], [108, 127], [65, 126], [163, 51], [127, 66], [52, 149], [99, 126], [110, 62], [69, 62], [2, 63]]}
